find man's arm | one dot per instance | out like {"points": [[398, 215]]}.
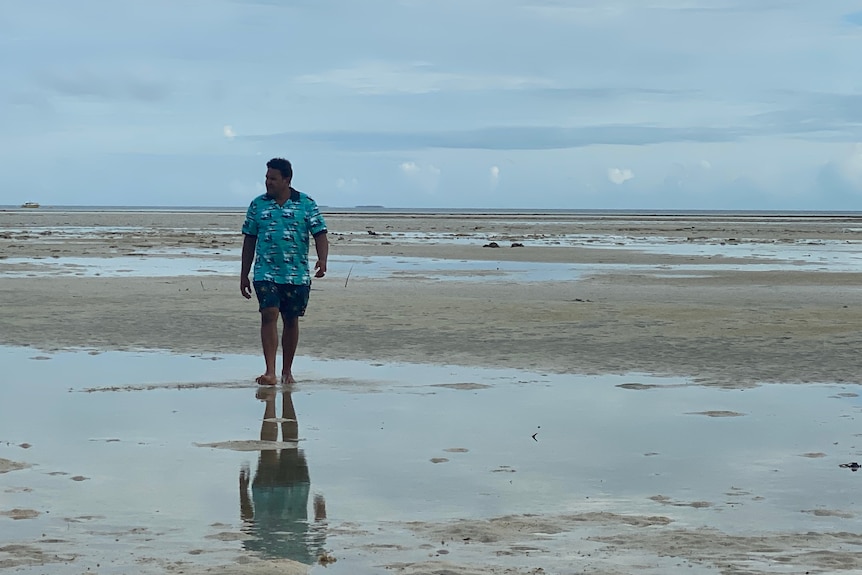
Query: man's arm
{"points": [[248, 245], [321, 244]]}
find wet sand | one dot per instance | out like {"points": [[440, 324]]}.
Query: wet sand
{"points": [[732, 320], [737, 306]]}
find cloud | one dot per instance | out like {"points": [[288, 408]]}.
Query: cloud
{"points": [[414, 94], [809, 114], [694, 178], [843, 175], [620, 175], [854, 18], [506, 137], [378, 78], [495, 176], [578, 11], [142, 85], [244, 189], [426, 176], [347, 184]]}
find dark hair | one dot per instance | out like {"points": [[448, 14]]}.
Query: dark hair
{"points": [[282, 166]]}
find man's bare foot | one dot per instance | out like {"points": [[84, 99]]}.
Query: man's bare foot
{"points": [[266, 393], [266, 379], [287, 379]]}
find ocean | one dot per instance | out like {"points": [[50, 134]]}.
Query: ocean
{"points": [[462, 211]]}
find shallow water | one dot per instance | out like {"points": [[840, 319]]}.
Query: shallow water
{"points": [[713, 254], [143, 446], [209, 262]]}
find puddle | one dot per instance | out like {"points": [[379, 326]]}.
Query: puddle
{"points": [[831, 255], [119, 266], [460, 270], [50, 234], [713, 254], [190, 262], [208, 262], [151, 446]]}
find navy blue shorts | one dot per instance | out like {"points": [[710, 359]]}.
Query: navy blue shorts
{"points": [[291, 300]]}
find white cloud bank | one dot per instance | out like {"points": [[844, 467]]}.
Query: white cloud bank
{"points": [[425, 176], [380, 77], [495, 176], [620, 176]]}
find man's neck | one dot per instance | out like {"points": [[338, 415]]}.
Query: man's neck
{"points": [[282, 198]]}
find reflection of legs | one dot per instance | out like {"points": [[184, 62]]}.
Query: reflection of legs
{"points": [[246, 507], [269, 341], [289, 341], [268, 427], [290, 427]]}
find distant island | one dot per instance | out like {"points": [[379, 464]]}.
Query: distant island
{"points": [[368, 207]]}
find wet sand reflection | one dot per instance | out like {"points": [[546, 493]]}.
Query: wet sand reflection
{"points": [[275, 508]]}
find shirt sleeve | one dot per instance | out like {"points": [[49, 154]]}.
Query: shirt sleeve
{"points": [[249, 226], [315, 219]]}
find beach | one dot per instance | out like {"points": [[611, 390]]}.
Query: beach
{"points": [[478, 394]]}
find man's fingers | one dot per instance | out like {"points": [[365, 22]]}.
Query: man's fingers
{"points": [[245, 288]]}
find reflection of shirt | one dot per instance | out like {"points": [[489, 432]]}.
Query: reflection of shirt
{"points": [[281, 253], [280, 526]]}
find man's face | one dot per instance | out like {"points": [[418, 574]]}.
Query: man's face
{"points": [[275, 184]]}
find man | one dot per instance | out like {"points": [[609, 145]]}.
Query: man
{"points": [[276, 236]]}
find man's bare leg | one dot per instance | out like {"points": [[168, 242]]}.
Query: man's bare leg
{"points": [[269, 341], [289, 341]]}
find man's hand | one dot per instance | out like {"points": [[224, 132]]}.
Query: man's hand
{"points": [[245, 287], [319, 507], [320, 268]]}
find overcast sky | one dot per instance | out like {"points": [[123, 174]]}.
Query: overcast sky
{"points": [[640, 104]]}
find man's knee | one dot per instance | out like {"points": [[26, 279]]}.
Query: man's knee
{"points": [[290, 322], [269, 315]]}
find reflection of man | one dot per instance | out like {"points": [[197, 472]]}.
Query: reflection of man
{"points": [[276, 514]]}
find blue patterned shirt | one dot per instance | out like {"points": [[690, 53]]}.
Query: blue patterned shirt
{"points": [[281, 253]]}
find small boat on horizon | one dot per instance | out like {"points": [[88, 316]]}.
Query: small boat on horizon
{"points": [[30, 205]]}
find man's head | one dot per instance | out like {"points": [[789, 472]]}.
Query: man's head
{"points": [[279, 172]]}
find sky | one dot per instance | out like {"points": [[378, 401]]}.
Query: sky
{"points": [[536, 104]]}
